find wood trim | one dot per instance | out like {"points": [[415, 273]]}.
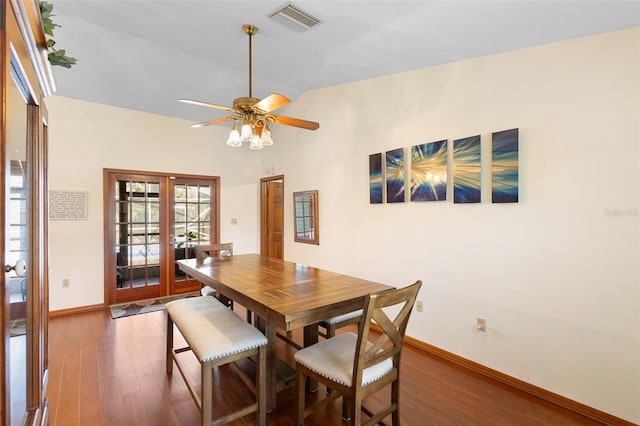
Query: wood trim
{"points": [[5, 373], [559, 400], [77, 310], [35, 40], [156, 173], [107, 213], [34, 264]]}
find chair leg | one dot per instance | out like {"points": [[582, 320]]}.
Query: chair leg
{"points": [[300, 394], [395, 398], [331, 332], [346, 408], [206, 393], [169, 350], [261, 388], [355, 406]]}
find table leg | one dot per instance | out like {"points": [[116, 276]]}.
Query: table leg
{"points": [[311, 338], [269, 330]]}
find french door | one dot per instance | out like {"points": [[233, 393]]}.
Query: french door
{"points": [[194, 207], [154, 219]]}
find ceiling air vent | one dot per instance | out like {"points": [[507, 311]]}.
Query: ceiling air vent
{"points": [[294, 18]]}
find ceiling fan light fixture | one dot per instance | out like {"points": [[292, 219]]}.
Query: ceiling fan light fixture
{"points": [[256, 142], [266, 136], [246, 134], [234, 137]]}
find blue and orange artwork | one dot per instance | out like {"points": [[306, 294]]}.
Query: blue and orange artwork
{"points": [[429, 171], [395, 174], [504, 166], [375, 178], [466, 170]]}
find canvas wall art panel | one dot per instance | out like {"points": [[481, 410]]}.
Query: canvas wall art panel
{"points": [[395, 175], [375, 179], [504, 166], [429, 171], [466, 170]]}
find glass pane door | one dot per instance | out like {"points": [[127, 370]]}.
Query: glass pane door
{"points": [[155, 219], [193, 203], [138, 219]]}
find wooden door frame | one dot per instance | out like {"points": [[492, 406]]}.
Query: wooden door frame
{"points": [[264, 182]]}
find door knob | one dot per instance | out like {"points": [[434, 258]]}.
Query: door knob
{"points": [[20, 267]]}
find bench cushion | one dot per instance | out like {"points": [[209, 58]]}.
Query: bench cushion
{"points": [[211, 329]]}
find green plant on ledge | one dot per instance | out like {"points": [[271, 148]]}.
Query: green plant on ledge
{"points": [[190, 236], [56, 57]]}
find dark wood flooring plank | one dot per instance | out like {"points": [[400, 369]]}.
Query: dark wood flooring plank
{"points": [[68, 398], [90, 407]]}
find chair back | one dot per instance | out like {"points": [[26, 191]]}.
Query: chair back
{"points": [[389, 343], [218, 251]]}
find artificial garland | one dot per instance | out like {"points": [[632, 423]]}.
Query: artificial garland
{"points": [[56, 56]]}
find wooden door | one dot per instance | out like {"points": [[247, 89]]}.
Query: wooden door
{"points": [[153, 220], [194, 203], [272, 216], [136, 211]]}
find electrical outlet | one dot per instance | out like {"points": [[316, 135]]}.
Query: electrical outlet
{"points": [[65, 282], [419, 306], [481, 325]]}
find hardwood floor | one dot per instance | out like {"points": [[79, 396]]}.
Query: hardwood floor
{"points": [[112, 372]]}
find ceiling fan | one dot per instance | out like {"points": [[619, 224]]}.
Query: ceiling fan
{"points": [[254, 113]]}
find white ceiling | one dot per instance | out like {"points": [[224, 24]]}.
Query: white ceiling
{"points": [[143, 54]]}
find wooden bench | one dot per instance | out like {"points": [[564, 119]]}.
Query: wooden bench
{"points": [[216, 336]]}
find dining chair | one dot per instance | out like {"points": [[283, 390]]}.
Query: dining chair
{"points": [[355, 366], [330, 325], [221, 251]]}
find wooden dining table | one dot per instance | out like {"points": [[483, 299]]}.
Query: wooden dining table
{"points": [[283, 294]]}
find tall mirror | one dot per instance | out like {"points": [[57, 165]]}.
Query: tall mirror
{"points": [[305, 212]]}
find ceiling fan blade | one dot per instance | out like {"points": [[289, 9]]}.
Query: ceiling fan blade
{"points": [[296, 122], [206, 104], [272, 102], [215, 121]]}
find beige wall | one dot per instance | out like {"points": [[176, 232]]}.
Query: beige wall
{"points": [[556, 276]]}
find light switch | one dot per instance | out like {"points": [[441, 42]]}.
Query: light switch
{"points": [[234, 221]]}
